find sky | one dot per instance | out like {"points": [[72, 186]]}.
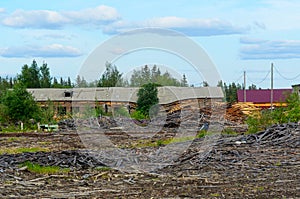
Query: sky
{"points": [[237, 35]]}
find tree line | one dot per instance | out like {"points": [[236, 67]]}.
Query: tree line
{"points": [[34, 76], [230, 90]]}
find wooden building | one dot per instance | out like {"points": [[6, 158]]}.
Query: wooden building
{"points": [[77, 99]]}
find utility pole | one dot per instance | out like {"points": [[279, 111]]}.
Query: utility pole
{"points": [[245, 100], [272, 66]]}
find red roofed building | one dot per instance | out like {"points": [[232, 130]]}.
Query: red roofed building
{"points": [[262, 97]]}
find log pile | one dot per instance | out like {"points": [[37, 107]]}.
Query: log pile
{"points": [[178, 113], [65, 159], [276, 146]]}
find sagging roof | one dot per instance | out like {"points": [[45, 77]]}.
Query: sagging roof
{"points": [[166, 94], [264, 95]]}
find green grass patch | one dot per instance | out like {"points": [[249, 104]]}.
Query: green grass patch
{"points": [[202, 134], [215, 195], [162, 142], [22, 150], [36, 168], [167, 141], [103, 168], [229, 131], [11, 139]]}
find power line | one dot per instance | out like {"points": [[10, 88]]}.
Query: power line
{"points": [[257, 83], [239, 78], [286, 78]]}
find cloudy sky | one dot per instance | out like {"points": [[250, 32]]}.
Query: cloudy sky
{"points": [[238, 35]]}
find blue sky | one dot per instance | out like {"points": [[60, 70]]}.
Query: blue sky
{"points": [[237, 35]]}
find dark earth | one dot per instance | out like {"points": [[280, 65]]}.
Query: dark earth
{"points": [[261, 165]]}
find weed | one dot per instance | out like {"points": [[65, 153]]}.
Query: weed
{"points": [[203, 133], [11, 139], [159, 142], [162, 142], [229, 131], [22, 150], [278, 164], [36, 168], [103, 168], [215, 195]]}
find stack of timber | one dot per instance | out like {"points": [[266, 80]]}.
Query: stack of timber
{"points": [[240, 111]]}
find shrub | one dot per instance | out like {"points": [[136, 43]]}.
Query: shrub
{"points": [[138, 115], [279, 115]]}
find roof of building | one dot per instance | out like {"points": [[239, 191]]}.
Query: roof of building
{"points": [[263, 95], [166, 94]]}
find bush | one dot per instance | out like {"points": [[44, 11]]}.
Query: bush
{"points": [[279, 115], [19, 105], [138, 115], [121, 111]]}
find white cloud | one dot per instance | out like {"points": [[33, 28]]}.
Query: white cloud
{"points": [[96, 15], [53, 50], [266, 49], [2, 10], [48, 19], [190, 27]]}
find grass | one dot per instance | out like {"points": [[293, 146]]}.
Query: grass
{"points": [[11, 139], [163, 142], [103, 168], [229, 131], [22, 150], [36, 168], [215, 195], [278, 164]]}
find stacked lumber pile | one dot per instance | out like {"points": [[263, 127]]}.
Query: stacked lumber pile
{"points": [[238, 112]]}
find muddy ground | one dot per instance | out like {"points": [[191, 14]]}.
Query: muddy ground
{"points": [[263, 165]]}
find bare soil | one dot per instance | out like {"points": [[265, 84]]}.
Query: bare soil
{"points": [[263, 165]]}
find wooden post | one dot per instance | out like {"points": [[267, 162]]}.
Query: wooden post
{"points": [[22, 126], [271, 100], [245, 95]]}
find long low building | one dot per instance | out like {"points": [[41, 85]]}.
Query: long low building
{"points": [[262, 97], [68, 100]]}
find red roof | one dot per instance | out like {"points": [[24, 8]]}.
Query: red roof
{"points": [[263, 95]]}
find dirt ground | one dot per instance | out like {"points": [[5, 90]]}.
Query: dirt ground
{"points": [[265, 165]]}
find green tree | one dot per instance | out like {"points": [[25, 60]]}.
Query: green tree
{"points": [[147, 98], [146, 75], [111, 77], [30, 76], [293, 108], [45, 80], [80, 82], [205, 84], [69, 84], [35, 75], [252, 87], [19, 104], [231, 92], [184, 82]]}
